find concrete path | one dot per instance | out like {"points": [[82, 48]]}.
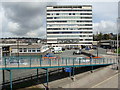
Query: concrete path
{"points": [[88, 80]]}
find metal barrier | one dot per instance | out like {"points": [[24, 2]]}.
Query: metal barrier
{"points": [[63, 61]]}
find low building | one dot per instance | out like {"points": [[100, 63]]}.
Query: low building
{"points": [[26, 49], [108, 43]]}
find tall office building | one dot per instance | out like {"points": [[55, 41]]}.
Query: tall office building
{"points": [[69, 25]]}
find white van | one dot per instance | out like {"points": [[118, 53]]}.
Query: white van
{"points": [[57, 49]]}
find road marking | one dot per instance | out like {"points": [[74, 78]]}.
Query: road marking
{"points": [[104, 81]]}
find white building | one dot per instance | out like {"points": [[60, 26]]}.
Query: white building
{"points": [[69, 25]]}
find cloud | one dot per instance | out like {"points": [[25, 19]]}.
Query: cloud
{"points": [[107, 11], [26, 18], [105, 27]]}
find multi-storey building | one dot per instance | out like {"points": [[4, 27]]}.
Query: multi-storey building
{"points": [[69, 25]]}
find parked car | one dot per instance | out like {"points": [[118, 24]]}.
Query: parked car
{"points": [[63, 49], [94, 47], [76, 48], [87, 48], [57, 50], [77, 52], [82, 59], [18, 62]]}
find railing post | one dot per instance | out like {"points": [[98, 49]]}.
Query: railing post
{"points": [[40, 59], [103, 60], [95, 60], [58, 62], [47, 80], [50, 61], [99, 60], [73, 61], [62, 60], [79, 61], [10, 79], [3, 76], [5, 62], [107, 60], [73, 71], [91, 63], [30, 61], [66, 61], [110, 60], [73, 78], [18, 62], [37, 74]]}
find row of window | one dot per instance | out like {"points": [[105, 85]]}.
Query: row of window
{"points": [[70, 40], [69, 17], [67, 7], [65, 32], [69, 21], [69, 25], [29, 50], [69, 28], [72, 6], [71, 10], [69, 13], [71, 36]]}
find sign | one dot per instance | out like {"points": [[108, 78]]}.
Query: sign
{"points": [[67, 69]]}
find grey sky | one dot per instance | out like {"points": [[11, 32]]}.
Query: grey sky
{"points": [[28, 19]]}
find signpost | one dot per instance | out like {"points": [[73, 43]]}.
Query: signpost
{"points": [[69, 69]]}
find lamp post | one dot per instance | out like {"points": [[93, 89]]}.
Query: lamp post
{"points": [[97, 44], [18, 47], [118, 28]]}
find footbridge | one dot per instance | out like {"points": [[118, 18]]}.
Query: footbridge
{"points": [[38, 62]]}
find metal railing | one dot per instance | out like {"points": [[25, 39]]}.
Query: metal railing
{"points": [[63, 61]]}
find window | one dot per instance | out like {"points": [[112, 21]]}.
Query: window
{"points": [[20, 50], [49, 17], [48, 14], [33, 49], [38, 49], [29, 50], [25, 50]]}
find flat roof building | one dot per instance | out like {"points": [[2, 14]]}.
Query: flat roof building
{"points": [[69, 25]]}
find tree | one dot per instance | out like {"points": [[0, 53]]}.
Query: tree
{"points": [[99, 36], [106, 37]]}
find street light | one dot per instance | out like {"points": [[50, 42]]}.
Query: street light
{"points": [[97, 44], [118, 28]]}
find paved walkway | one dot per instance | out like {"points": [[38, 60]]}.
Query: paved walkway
{"points": [[86, 80]]}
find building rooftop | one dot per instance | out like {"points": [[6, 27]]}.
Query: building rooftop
{"points": [[27, 46]]}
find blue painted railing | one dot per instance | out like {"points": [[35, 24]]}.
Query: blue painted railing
{"points": [[34, 61]]}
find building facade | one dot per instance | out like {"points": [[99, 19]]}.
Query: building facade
{"points": [[69, 25]]}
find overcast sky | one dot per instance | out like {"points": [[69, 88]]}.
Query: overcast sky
{"points": [[28, 19]]}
